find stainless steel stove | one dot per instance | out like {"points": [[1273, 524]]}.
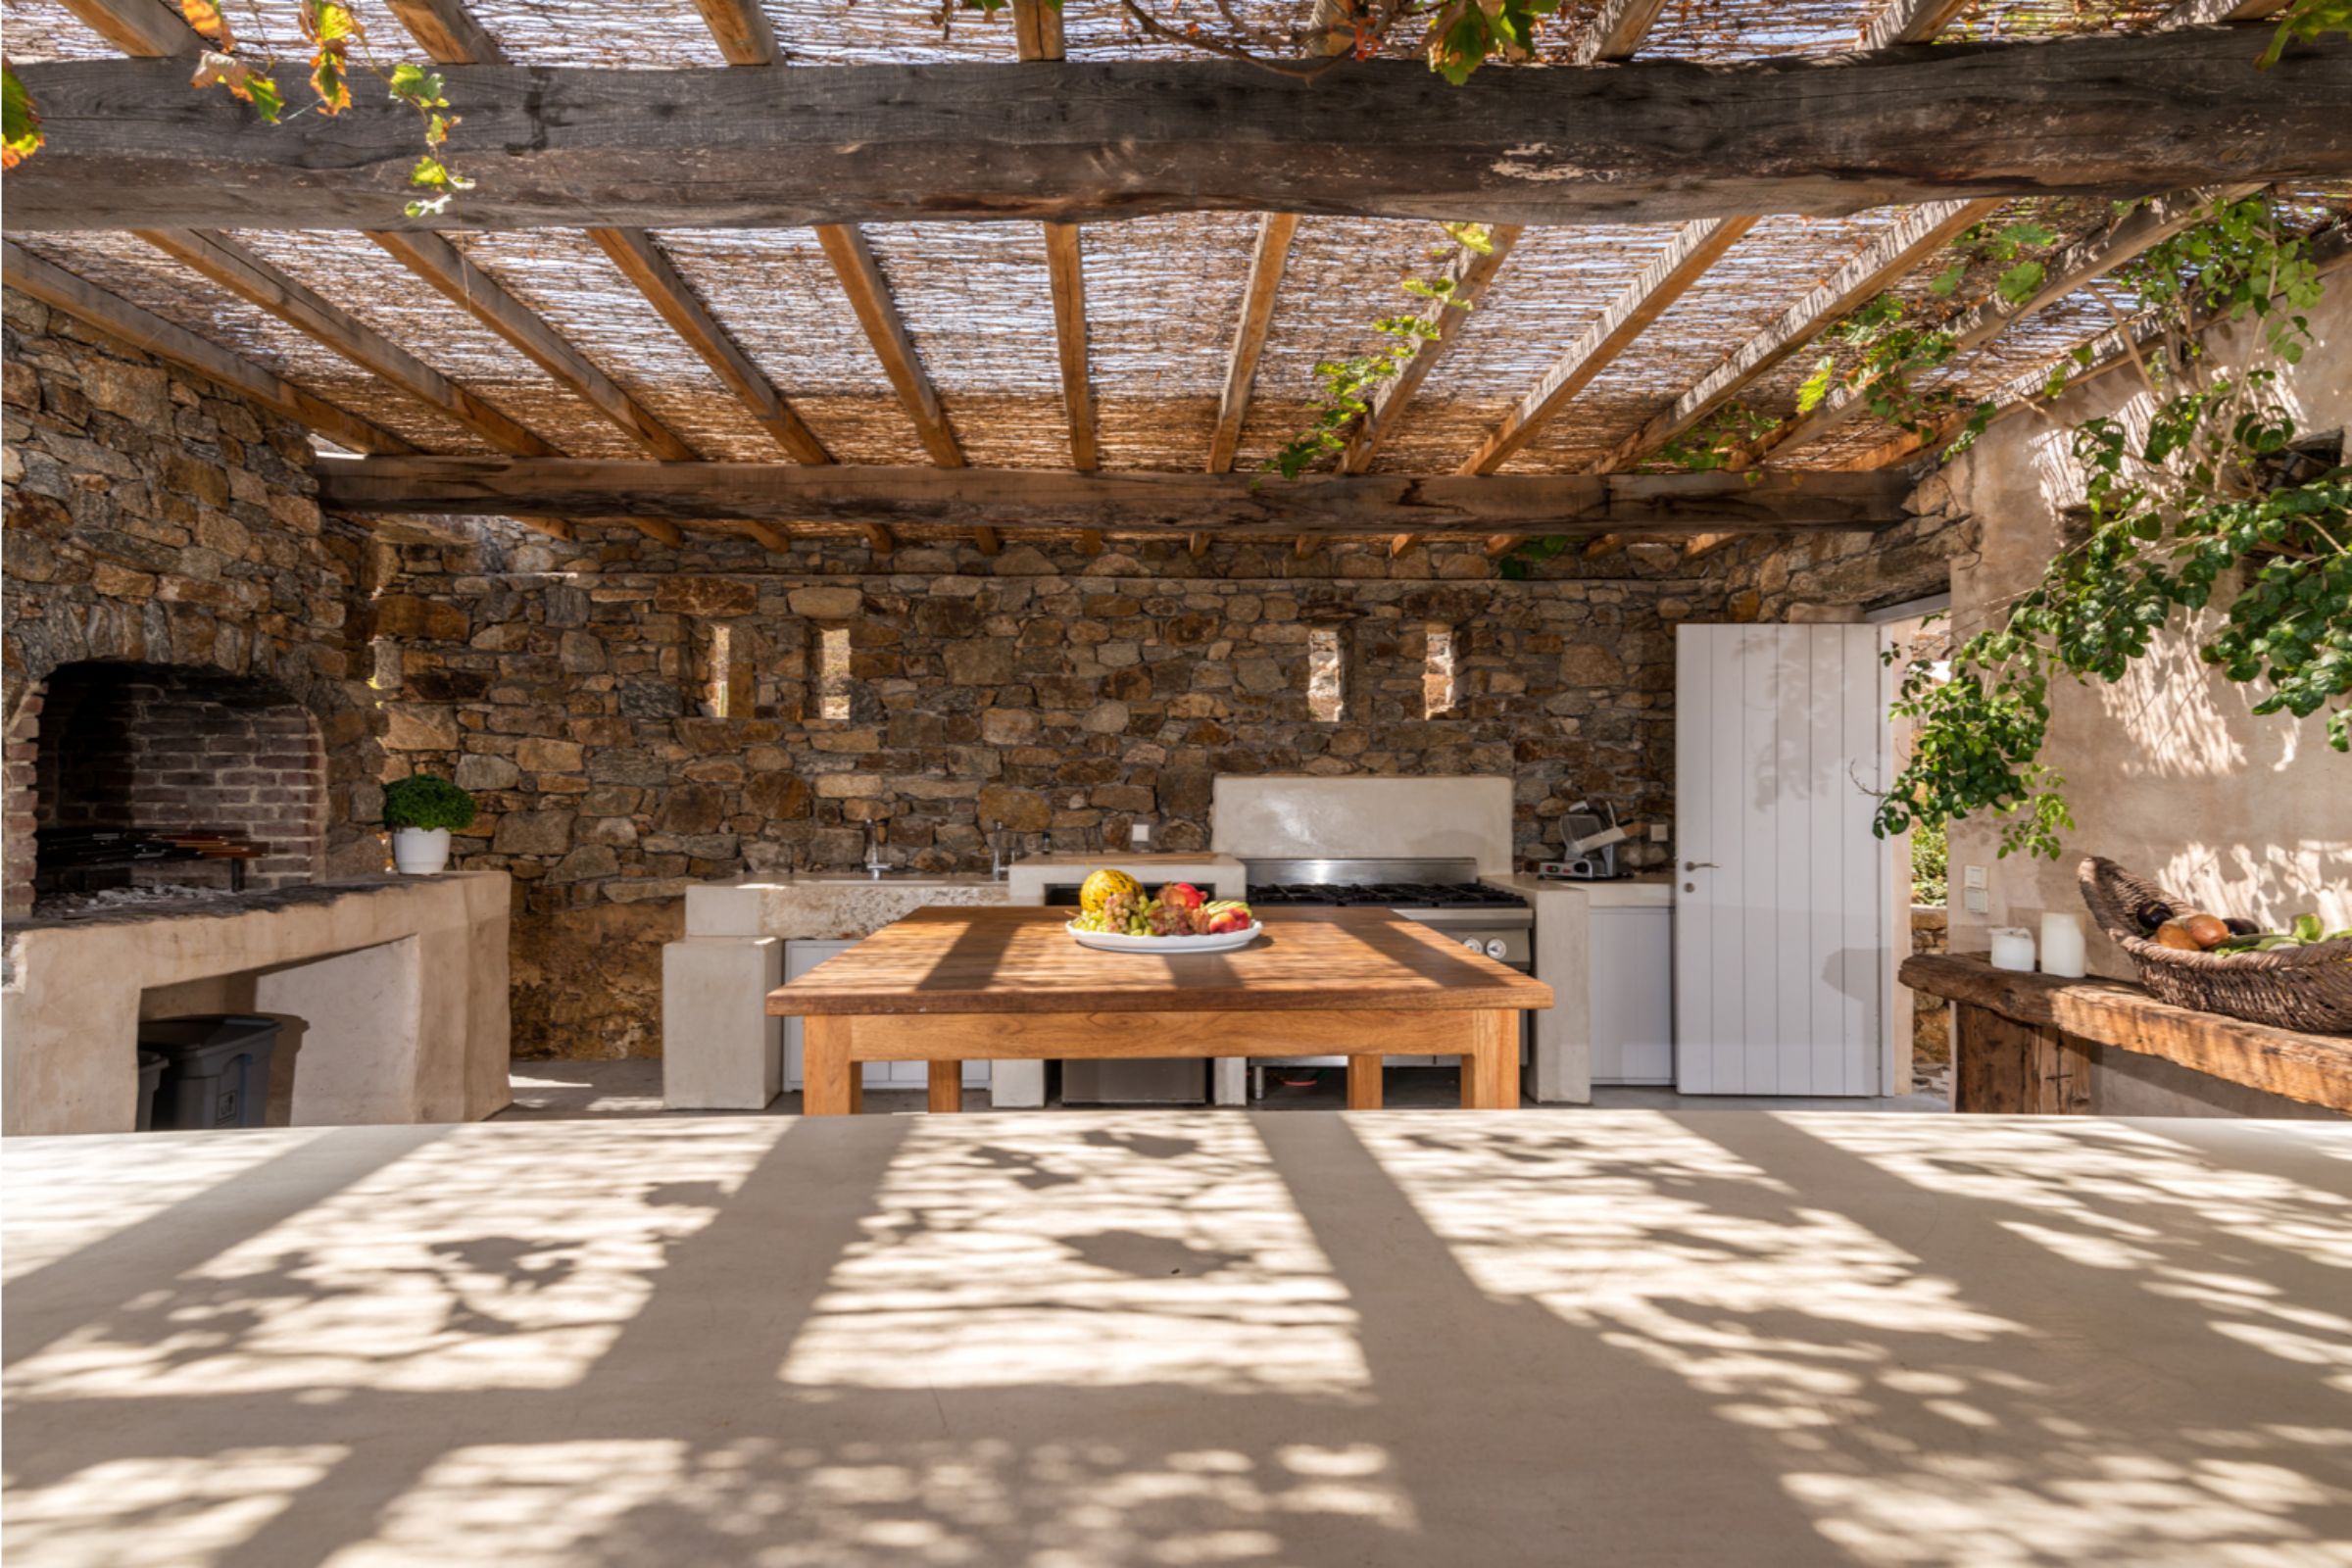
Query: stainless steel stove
{"points": [[1442, 894]]}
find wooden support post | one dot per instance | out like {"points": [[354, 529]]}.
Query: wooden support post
{"points": [[1491, 1066], [946, 1087], [2003, 1068], [1364, 1082]]}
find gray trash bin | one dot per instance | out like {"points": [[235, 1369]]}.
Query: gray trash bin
{"points": [[151, 1074], [216, 1070]]}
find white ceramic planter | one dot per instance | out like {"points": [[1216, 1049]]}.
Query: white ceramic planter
{"points": [[419, 851]]}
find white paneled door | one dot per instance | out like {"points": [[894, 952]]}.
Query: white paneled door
{"points": [[1781, 890]]}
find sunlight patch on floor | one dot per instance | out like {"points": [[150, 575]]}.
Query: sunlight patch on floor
{"points": [[471, 1262], [1083, 1250]]}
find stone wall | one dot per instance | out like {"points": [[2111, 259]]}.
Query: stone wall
{"points": [[1836, 578], [154, 519], [636, 718]]}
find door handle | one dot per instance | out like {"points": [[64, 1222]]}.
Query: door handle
{"points": [[1693, 865]]}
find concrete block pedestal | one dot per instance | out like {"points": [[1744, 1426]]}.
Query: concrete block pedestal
{"points": [[717, 1054]]}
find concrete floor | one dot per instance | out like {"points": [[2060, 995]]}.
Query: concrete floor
{"points": [[561, 1091], [1393, 1340]]}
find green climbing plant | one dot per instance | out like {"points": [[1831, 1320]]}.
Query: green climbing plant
{"points": [[1349, 385], [2211, 506]]}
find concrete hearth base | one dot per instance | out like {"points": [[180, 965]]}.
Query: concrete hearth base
{"points": [[393, 992]]}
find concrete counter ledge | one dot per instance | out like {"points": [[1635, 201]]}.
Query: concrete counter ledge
{"points": [[393, 992]]}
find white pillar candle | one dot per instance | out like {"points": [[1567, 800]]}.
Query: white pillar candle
{"points": [[2062, 944], [2012, 948]]}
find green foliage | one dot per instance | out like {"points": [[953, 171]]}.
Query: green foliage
{"points": [[1930, 870], [1529, 554], [2307, 19], [2209, 507], [19, 122], [1350, 385], [1717, 439], [423, 800], [1464, 35]]}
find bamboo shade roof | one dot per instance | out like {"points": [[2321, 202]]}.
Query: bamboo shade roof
{"points": [[1161, 294]]}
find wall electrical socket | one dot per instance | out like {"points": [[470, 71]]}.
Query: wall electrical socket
{"points": [[1972, 876], [1975, 900], [1657, 832], [1139, 834]]}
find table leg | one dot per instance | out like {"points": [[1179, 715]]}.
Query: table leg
{"points": [[1491, 1067], [831, 1084], [946, 1085], [1363, 1083]]}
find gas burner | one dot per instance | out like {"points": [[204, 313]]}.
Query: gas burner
{"points": [[1385, 895]]}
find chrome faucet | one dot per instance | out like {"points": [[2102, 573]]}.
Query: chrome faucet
{"points": [[875, 865]]}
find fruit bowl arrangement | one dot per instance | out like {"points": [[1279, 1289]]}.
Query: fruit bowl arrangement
{"points": [[2300, 978], [1115, 915]]}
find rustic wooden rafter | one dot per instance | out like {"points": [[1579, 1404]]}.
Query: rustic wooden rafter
{"points": [[2208, 12], [233, 267], [1469, 274], [1618, 30], [1686, 259], [2101, 114], [2073, 267], [742, 31], [1901, 22], [860, 276], [440, 264], [447, 32], [1271, 255], [1920, 235], [141, 329], [1161, 504], [148, 29]]}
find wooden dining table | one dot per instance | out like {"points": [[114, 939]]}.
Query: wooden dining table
{"points": [[951, 984]]}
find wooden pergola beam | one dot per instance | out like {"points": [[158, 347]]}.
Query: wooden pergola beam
{"points": [[438, 262], [645, 264], [2105, 115], [143, 329], [1920, 235], [446, 30], [1271, 255], [148, 29], [2207, 12], [243, 273], [741, 29], [1618, 30], [860, 276], [1470, 272], [1696, 248], [2073, 267], [1901, 22], [1065, 266], [1158, 505]]}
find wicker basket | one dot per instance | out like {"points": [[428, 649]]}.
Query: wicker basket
{"points": [[2292, 987]]}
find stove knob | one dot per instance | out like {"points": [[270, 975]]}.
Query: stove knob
{"points": [[1472, 944], [1496, 948]]}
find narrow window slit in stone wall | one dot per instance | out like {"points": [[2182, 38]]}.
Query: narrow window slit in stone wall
{"points": [[1326, 675], [1438, 690], [833, 672], [722, 672]]}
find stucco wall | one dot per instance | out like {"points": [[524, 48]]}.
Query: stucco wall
{"points": [[2170, 771]]}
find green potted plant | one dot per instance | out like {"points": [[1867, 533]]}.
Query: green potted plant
{"points": [[420, 811]]}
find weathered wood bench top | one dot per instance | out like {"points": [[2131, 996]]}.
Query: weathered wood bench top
{"points": [[1019, 959], [2314, 1068]]}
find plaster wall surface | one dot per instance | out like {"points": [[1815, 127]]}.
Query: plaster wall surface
{"points": [[2168, 771]]}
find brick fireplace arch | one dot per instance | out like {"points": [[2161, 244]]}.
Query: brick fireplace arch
{"points": [[111, 744]]}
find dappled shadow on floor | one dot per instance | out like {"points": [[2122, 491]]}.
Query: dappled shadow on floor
{"points": [[1404, 1338]]}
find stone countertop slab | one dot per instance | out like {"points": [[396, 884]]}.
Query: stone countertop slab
{"points": [[823, 908], [1653, 891]]}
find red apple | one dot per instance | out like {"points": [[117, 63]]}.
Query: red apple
{"points": [[1182, 896], [1228, 921]]}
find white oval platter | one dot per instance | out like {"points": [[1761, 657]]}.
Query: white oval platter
{"points": [[1120, 942]]}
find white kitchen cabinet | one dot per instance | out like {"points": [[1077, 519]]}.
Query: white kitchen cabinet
{"points": [[802, 957], [1632, 1016]]}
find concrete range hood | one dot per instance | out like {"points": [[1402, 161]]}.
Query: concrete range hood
{"points": [[1297, 816]]}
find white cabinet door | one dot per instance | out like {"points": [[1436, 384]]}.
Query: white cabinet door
{"points": [[1633, 996], [802, 957], [1781, 888]]}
